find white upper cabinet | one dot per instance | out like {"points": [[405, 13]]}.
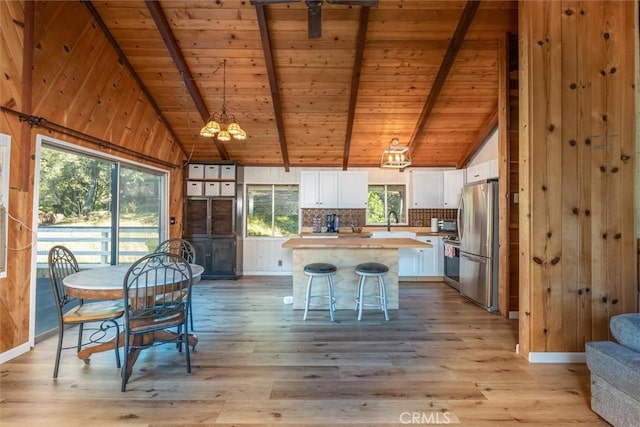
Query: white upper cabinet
{"points": [[479, 172], [352, 189], [453, 183], [426, 189], [319, 189]]}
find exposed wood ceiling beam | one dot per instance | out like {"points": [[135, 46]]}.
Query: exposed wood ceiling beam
{"points": [[135, 75], [445, 67], [355, 82], [273, 83], [178, 58], [482, 135]]}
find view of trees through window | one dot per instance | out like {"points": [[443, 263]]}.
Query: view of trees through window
{"points": [[76, 197], [385, 198], [272, 210]]}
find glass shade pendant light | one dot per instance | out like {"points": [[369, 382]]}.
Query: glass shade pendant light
{"points": [[215, 126]]}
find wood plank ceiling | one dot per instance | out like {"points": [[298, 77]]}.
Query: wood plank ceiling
{"points": [[338, 100]]}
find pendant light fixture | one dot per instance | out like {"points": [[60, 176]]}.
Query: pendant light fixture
{"points": [[216, 124], [395, 156]]}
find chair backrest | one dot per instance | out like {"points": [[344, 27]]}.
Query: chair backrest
{"points": [[157, 286], [62, 263], [178, 246]]}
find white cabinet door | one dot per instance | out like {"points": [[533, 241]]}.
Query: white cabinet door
{"points": [[479, 172], [352, 189], [453, 183], [328, 190], [309, 187], [318, 189], [431, 258], [409, 261], [426, 189]]}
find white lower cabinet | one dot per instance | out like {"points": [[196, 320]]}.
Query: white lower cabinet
{"points": [[409, 260], [422, 262], [432, 263]]}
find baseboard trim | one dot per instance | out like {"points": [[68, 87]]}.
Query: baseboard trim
{"points": [[267, 273], [557, 357], [14, 352]]}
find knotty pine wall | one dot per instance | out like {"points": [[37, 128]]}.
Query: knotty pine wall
{"points": [[577, 145], [78, 82]]}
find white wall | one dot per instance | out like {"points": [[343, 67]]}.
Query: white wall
{"points": [[488, 150]]}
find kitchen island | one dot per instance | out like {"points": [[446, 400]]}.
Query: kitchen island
{"points": [[345, 254]]}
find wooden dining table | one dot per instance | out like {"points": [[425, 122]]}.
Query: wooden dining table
{"points": [[106, 283]]}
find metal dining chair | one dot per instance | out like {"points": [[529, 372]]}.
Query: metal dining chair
{"points": [[156, 293], [74, 311], [185, 249]]}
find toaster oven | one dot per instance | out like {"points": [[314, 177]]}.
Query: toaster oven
{"points": [[448, 225]]}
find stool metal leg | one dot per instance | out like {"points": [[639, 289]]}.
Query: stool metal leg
{"points": [[383, 297], [361, 296], [332, 300], [307, 298]]}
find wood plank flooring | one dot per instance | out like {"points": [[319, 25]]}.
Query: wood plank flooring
{"points": [[440, 359]]}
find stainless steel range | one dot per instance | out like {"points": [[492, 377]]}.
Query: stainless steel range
{"points": [[452, 261]]}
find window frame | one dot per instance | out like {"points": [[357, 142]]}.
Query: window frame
{"points": [[5, 171], [403, 213], [273, 209]]}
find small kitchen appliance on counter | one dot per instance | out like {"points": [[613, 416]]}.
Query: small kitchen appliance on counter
{"points": [[333, 223]]}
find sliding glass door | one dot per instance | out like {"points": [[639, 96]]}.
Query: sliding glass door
{"points": [[104, 210]]}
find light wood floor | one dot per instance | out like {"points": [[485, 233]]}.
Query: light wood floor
{"points": [[439, 359]]}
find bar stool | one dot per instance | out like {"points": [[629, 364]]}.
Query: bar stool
{"points": [[371, 269], [320, 269]]}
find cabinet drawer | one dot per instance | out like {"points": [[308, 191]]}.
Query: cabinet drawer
{"points": [[211, 171], [196, 172], [227, 172], [227, 188], [212, 189], [194, 188]]}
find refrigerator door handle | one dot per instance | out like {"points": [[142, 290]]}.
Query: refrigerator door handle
{"points": [[474, 258], [459, 216]]}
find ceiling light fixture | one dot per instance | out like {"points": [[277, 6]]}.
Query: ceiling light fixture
{"points": [[214, 126], [395, 156]]}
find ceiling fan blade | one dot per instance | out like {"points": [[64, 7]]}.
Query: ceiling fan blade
{"points": [[369, 3], [265, 2], [314, 15]]}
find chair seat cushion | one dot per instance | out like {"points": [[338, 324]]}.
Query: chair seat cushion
{"points": [[320, 268], [372, 268], [94, 311], [625, 328]]}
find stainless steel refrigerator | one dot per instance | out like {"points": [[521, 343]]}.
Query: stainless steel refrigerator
{"points": [[478, 230]]}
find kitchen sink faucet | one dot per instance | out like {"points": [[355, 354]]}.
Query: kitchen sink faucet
{"points": [[389, 219]]}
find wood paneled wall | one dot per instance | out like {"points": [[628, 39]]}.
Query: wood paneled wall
{"points": [[577, 146], [79, 83]]}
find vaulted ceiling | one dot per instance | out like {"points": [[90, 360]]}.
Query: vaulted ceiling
{"points": [[423, 71]]}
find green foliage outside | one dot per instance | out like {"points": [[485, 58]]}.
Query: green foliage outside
{"points": [[377, 209], [272, 210], [76, 188]]}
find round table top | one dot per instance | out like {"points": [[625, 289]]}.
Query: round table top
{"points": [[106, 282]]}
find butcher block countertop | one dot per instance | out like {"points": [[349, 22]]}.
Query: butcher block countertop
{"points": [[354, 243]]}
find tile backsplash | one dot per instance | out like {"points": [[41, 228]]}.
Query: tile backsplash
{"points": [[417, 217], [422, 217], [347, 216]]}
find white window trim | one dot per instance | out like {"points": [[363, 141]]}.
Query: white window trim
{"points": [[5, 168]]}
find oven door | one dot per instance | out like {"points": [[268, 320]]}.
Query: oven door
{"points": [[452, 265]]}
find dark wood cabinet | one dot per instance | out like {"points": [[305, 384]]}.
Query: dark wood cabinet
{"points": [[213, 218]]}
